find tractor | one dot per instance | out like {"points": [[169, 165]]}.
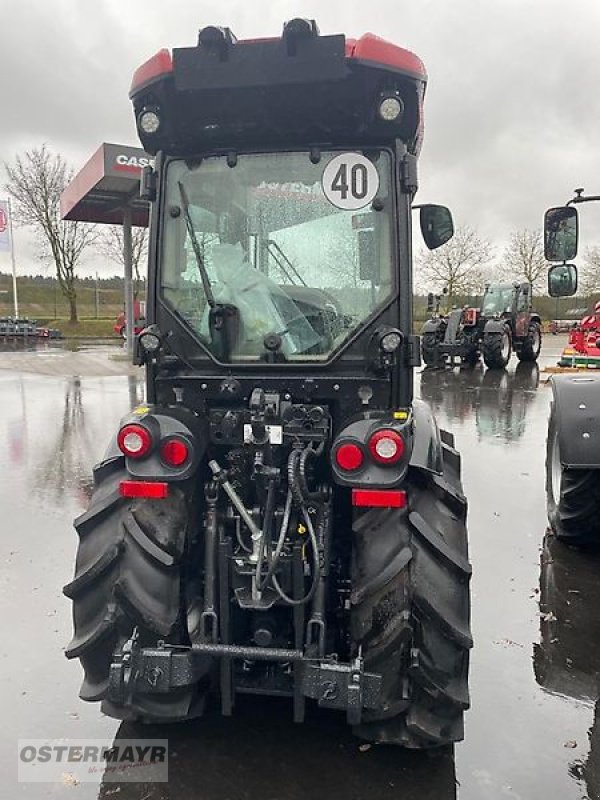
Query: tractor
{"points": [[573, 442], [504, 322], [281, 517]]}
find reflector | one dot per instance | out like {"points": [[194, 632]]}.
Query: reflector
{"points": [[153, 489], [380, 498], [349, 456]]}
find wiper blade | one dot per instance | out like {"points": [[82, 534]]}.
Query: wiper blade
{"points": [[210, 298]]}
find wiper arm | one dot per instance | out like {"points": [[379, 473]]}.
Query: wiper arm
{"points": [[210, 298]]}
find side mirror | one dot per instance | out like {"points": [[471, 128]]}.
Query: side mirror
{"points": [[562, 280], [148, 184], [561, 233], [437, 226]]}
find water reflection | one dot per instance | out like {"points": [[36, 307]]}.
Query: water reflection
{"points": [[260, 753], [567, 659], [56, 431], [498, 399]]}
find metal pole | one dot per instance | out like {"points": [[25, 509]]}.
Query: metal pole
{"points": [[97, 299], [12, 256], [128, 260]]}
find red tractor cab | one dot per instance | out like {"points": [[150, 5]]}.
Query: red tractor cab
{"points": [[139, 310]]}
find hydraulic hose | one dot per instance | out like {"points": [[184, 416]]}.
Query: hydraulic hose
{"points": [[262, 583], [316, 571]]}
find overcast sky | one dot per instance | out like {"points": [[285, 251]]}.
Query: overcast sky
{"points": [[512, 112]]}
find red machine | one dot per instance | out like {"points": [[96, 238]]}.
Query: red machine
{"points": [[139, 310], [583, 349]]}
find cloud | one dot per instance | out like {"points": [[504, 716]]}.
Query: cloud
{"points": [[511, 107]]}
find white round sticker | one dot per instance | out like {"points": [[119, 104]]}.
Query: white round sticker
{"points": [[350, 181]]}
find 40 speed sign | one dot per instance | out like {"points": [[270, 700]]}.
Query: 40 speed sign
{"points": [[350, 181]]}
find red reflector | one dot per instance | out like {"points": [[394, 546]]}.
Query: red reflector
{"points": [[174, 452], [153, 489], [380, 498]]}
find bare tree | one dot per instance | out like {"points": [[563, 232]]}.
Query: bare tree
{"points": [[459, 265], [524, 258], [589, 273], [111, 244], [36, 182]]}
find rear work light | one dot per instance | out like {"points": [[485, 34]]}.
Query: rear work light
{"points": [[174, 452], [386, 446], [134, 441], [153, 489], [349, 457]]}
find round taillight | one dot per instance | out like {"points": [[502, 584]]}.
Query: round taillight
{"points": [[134, 441], [349, 457], [386, 447], [174, 452]]}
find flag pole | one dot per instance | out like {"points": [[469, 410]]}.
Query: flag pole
{"points": [[12, 256]]}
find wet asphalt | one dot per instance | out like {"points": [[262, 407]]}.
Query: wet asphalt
{"points": [[533, 730]]}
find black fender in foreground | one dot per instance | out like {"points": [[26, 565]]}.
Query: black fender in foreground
{"points": [[427, 441], [576, 400]]}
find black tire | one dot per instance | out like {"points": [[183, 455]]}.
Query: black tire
{"points": [[471, 356], [531, 344], [410, 612], [497, 348], [128, 574], [429, 349], [572, 495]]}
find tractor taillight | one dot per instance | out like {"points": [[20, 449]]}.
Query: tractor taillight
{"points": [[386, 446], [174, 452], [349, 457], [134, 441]]}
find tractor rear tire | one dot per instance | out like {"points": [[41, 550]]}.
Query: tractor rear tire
{"points": [[429, 349], [531, 344], [497, 349], [410, 610], [129, 574], [572, 495]]}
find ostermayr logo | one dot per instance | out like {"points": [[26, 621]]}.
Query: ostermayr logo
{"points": [[90, 760]]}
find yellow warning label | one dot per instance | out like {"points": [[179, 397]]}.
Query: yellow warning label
{"points": [[141, 410]]}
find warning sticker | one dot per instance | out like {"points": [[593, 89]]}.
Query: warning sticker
{"points": [[350, 181]]}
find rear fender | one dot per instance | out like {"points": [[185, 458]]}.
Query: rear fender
{"points": [[576, 400], [433, 326], [494, 326], [427, 443], [163, 422]]}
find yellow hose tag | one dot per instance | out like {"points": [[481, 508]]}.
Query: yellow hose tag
{"points": [[301, 529]]}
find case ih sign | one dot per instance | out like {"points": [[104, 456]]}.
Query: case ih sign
{"points": [[106, 184], [4, 228]]}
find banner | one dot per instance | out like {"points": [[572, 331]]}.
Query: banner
{"points": [[4, 227]]}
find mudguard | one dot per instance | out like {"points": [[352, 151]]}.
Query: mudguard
{"points": [[427, 442], [494, 326], [432, 326], [576, 408]]}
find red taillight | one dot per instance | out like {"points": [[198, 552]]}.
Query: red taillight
{"points": [[174, 452], [386, 446], [349, 457], [134, 441], [153, 489], [379, 498]]}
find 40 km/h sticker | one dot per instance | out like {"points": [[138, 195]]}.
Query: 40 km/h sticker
{"points": [[350, 181]]}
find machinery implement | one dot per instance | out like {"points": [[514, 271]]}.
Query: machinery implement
{"points": [[573, 444], [505, 322], [281, 518]]}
